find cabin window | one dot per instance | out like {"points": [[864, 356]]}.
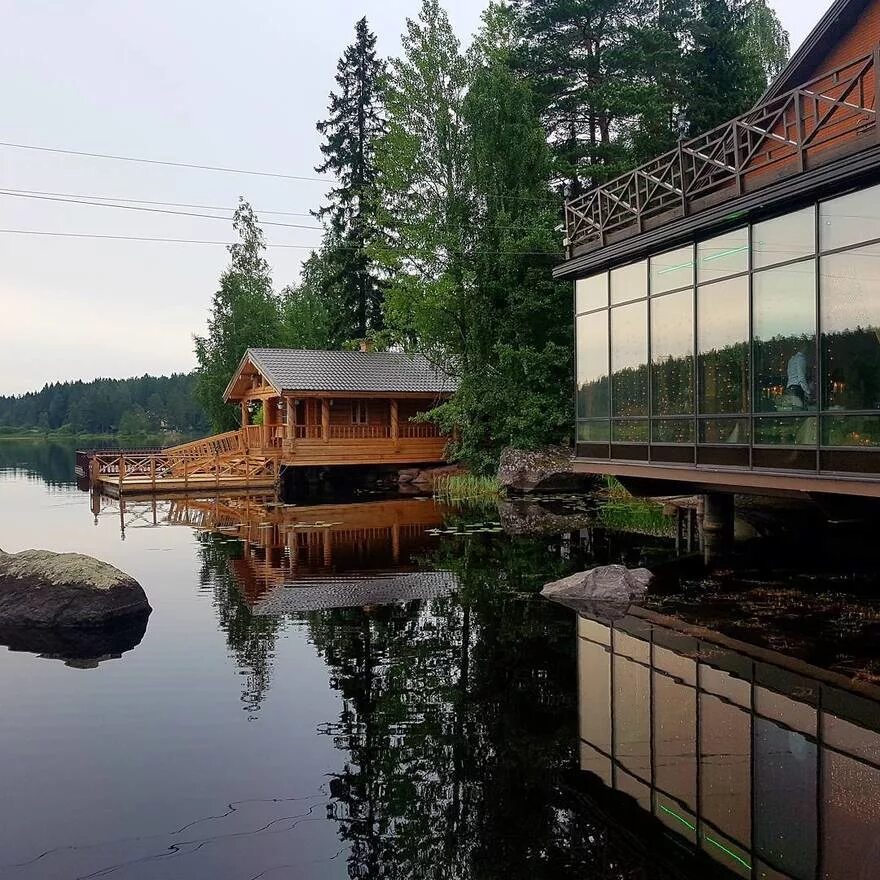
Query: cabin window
{"points": [[784, 334], [789, 237], [672, 354], [723, 255], [850, 219], [629, 360], [359, 414], [723, 341], [591, 293], [672, 270], [629, 283]]}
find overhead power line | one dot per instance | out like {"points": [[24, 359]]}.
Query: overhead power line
{"points": [[307, 247], [39, 192], [77, 201], [192, 165]]}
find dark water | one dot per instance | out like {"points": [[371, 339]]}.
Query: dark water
{"points": [[376, 691]]}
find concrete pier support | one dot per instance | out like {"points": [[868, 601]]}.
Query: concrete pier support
{"points": [[718, 512]]}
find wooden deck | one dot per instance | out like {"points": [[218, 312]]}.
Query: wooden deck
{"points": [[253, 457]]}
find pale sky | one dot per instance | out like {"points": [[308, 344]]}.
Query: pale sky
{"points": [[215, 83]]}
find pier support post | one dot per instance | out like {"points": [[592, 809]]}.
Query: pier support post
{"points": [[717, 526]]}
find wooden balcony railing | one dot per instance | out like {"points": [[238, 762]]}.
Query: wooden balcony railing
{"points": [[820, 120]]}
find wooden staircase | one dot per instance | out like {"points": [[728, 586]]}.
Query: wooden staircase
{"points": [[221, 462]]}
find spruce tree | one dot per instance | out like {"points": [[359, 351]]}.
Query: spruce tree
{"points": [[354, 124], [736, 46], [244, 313]]}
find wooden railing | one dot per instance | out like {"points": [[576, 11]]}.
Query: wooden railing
{"points": [[419, 429], [360, 432], [781, 137]]}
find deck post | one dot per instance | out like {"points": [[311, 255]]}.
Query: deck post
{"points": [[153, 472], [121, 471], [245, 414], [395, 425], [325, 420]]}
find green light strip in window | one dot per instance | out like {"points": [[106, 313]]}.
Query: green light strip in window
{"points": [[668, 269], [676, 816], [727, 253], [729, 852]]}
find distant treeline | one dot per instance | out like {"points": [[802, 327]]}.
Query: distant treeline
{"points": [[148, 404]]}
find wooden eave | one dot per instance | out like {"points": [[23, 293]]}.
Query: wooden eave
{"points": [[834, 24], [233, 393]]}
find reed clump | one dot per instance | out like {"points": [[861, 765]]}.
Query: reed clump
{"points": [[464, 488]]}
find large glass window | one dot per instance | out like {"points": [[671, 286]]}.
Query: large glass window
{"points": [[629, 282], [784, 333], [749, 337], [592, 365], [672, 354], [784, 238], [723, 255], [591, 293], [850, 219], [672, 270], [850, 298], [629, 360], [723, 343]]}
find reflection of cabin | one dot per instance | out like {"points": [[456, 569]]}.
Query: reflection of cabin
{"points": [[727, 293], [329, 547], [769, 766], [340, 407], [299, 409]]}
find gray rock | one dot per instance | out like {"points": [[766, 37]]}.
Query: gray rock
{"points": [[43, 589], [607, 583], [542, 470]]}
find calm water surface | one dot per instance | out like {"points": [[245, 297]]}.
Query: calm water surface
{"points": [[444, 723]]}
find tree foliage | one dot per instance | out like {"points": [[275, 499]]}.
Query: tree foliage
{"points": [[244, 313], [465, 170], [156, 404], [617, 83], [351, 131]]}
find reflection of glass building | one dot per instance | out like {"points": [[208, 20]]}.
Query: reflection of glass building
{"points": [[769, 766], [727, 294]]}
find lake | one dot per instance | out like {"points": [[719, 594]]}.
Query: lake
{"points": [[374, 689]]}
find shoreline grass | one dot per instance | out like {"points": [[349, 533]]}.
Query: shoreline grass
{"points": [[467, 488]]}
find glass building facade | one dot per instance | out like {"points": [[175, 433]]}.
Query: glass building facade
{"points": [[759, 347]]}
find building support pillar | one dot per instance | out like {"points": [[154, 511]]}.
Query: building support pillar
{"points": [[718, 512], [245, 414], [325, 420]]}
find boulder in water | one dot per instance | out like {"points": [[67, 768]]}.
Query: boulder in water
{"points": [[43, 589], [607, 583], [541, 470]]}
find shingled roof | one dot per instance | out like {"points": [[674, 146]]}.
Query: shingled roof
{"points": [[293, 369]]}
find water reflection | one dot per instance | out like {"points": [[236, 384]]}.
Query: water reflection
{"points": [[767, 765], [82, 648]]}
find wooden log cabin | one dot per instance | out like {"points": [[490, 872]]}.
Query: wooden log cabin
{"points": [[727, 293], [299, 409], [339, 407]]}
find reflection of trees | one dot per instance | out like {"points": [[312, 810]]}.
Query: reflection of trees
{"points": [[52, 462], [251, 638], [851, 361], [458, 715]]}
